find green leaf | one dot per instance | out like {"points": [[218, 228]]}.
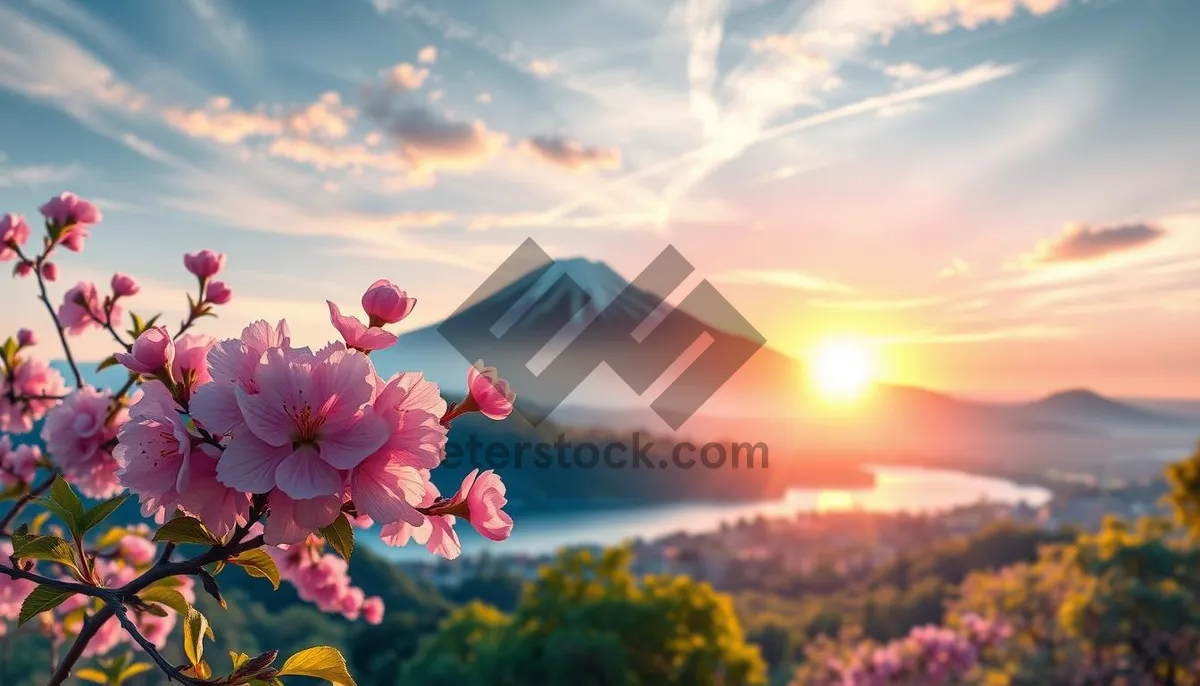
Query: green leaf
{"points": [[63, 513], [186, 530], [195, 628], [138, 325], [112, 538], [62, 493], [49, 548], [258, 563], [321, 662], [167, 597], [93, 675], [42, 599], [340, 536], [110, 361], [93, 517]]}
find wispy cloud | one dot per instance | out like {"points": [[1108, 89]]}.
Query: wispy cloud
{"points": [[782, 278], [35, 175], [571, 155]]}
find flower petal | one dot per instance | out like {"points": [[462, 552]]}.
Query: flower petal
{"points": [[248, 464], [303, 474], [348, 448]]}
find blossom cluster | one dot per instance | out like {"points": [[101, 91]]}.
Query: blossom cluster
{"points": [[323, 580], [253, 435], [928, 656]]}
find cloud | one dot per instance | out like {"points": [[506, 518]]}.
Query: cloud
{"points": [[570, 154], [328, 117], [226, 29], [798, 48], [906, 73], [428, 54], [957, 267], [782, 278], [406, 77], [1034, 332], [35, 175], [1083, 243], [542, 68], [880, 304], [430, 140], [325, 155]]}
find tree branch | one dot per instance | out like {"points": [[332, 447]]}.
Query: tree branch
{"points": [[90, 627], [45, 298], [22, 502]]}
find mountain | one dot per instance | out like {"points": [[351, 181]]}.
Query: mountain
{"points": [[1084, 406]]}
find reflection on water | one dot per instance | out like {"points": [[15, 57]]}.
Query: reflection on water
{"points": [[897, 489]]}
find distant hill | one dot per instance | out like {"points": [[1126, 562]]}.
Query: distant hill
{"points": [[1084, 406]]}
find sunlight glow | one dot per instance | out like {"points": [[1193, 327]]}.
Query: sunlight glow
{"points": [[842, 369]]}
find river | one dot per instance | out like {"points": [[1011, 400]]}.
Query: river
{"points": [[897, 489]]}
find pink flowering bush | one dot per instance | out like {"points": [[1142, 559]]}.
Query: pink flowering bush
{"points": [[927, 656], [256, 452]]}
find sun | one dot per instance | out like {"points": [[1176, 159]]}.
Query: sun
{"points": [[842, 369]]}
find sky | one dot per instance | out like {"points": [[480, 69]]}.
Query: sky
{"points": [[1000, 196]]}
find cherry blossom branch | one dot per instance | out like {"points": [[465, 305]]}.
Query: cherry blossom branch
{"points": [[173, 674], [90, 627], [23, 501], [107, 323], [45, 298]]}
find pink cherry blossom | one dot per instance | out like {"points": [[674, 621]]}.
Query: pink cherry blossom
{"points": [[81, 309], [385, 303], [12, 591], [217, 293], [372, 610], [435, 533], [485, 498], [75, 433], [26, 338], [68, 209], [220, 507], [323, 580], [489, 393], [137, 550], [152, 352], [154, 452], [359, 335], [191, 358], [34, 379], [23, 269], [204, 264], [13, 232], [124, 285], [50, 271], [232, 364], [390, 483], [310, 418], [293, 520], [17, 464]]}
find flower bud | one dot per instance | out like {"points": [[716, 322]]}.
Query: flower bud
{"points": [[69, 209], [490, 394], [204, 264], [217, 293], [124, 285], [23, 269], [26, 338], [385, 303], [152, 353], [49, 271]]}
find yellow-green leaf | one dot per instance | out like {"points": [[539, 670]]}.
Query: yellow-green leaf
{"points": [[133, 670], [340, 536], [93, 675], [195, 628], [42, 599], [321, 662], [259, 564], [186, 530], [111, 538], [49, 548], [38, 522], [166, 597]]}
